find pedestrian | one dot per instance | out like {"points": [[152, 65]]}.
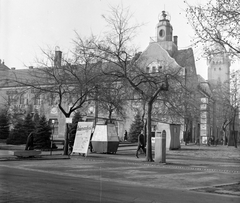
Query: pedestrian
{"points": [[29, 143], [216, 142], [125, 136], [90, 142], [213, 140], [141, 144]]}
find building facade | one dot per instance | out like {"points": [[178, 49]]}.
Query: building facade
{"points": [[161, 53]]}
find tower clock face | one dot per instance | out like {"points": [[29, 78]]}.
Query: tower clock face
{"points": [[161, 33]]}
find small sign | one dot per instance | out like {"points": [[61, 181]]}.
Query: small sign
{"points": [[203, 126], [203, 133], [203, 114], [203, 120], [68, 120], [82, 137], [204, 139], [204, 100], [203, 106]]}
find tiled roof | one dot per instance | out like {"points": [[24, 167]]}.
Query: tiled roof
{"points": [[185, 58], [3, 67], [7, 77], [204, 85]]}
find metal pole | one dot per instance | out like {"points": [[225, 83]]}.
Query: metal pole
{"points": [[52, 136]]}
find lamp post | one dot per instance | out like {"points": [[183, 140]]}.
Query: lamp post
{"points": [[53, 121]]}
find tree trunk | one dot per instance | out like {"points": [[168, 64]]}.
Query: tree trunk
{"points": [[224, 137], [66, 141], [234, 134], [149, 137]]}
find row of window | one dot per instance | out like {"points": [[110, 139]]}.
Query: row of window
{"points": [[35, 100], [154, 69], [216, 69]]}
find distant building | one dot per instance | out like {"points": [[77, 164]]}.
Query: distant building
{"points": [[162, 52], [219, 78], [219, 66]]}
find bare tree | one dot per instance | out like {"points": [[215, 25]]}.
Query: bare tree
{"points": [[228, 104], [121, 62], [68, 85], [216, 22], [112, 98]]}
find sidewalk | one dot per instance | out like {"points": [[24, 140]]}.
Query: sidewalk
{"points": [[214, 169], [126, 151]]}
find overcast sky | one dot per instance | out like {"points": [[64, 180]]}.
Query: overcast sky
{"points": [[26, 26]]}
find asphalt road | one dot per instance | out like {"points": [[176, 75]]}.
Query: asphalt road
{"points": [[100, 180]]}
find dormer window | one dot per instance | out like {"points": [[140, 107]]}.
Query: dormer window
{"points": [[154, 69], [147, 69], [159, 68]]}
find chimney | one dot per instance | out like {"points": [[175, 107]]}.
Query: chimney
{"points": [[175, 40], [58, 57]]}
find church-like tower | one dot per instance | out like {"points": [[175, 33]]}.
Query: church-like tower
{"points": [[164, 34], [219, 66]]}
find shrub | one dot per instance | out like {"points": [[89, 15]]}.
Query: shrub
{"points": [[135, 128], [17, 134], [42, 134], [4, 125]]}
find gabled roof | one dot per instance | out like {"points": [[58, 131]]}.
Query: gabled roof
{"points": [[154, 52]]}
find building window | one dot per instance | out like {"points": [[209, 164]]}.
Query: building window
{"points": [[159, 68], [21, 99], [12, 99], [37, 100], [154, 69], [147, 69], [220, 69]]}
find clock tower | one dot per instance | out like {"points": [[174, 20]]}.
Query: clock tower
{"points": [[164, 34]]}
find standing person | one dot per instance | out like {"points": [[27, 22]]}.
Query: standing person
{"points": [[29, 143], [141, 143], [125, 135], [90, 143]]}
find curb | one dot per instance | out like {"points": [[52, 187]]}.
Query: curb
{"points": [[43, 157]]}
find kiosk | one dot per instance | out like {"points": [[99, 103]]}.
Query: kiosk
{"points": [[105, 139]]}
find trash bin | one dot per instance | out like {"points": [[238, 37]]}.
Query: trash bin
{"points": [[160, 147]]}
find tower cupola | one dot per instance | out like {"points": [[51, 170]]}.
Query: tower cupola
{"points": [[165, 34], [164, 28]]}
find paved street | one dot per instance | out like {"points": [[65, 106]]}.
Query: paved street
{"points": [[123, 177]]}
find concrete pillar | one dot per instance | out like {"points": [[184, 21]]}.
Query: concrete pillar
{"points": [[160, 147]]}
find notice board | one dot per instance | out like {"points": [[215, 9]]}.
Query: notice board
{"points": [[82, 137]]}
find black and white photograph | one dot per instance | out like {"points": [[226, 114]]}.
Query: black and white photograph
{"points": [[119, 101]]}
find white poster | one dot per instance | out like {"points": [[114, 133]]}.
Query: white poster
{"points": [[82, 137]]}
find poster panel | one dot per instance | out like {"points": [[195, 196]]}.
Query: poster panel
{"points": [[82, 137]]}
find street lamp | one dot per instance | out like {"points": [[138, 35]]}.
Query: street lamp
{"points": [[53, 121]]}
